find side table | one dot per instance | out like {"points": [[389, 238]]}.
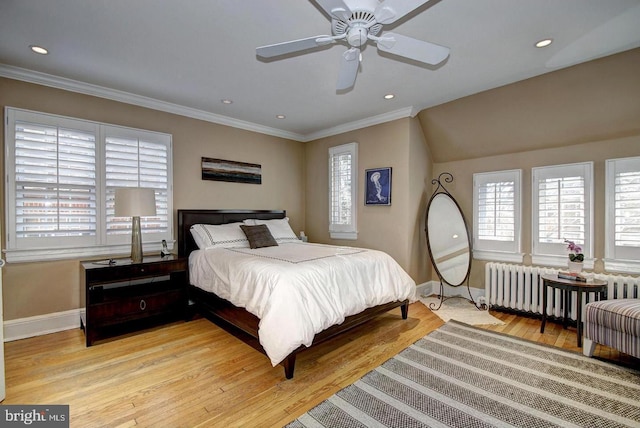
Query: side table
{"points": [[124, 296], [568, 285]]}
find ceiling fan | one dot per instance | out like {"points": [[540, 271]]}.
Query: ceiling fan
{"points": [[356, 22]]}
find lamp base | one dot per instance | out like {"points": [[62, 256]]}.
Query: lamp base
{"points": [[136, 241]]}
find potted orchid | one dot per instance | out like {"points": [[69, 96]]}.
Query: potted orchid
{"points": [[575, 256]]}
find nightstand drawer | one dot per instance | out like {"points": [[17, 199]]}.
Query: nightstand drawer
{"points": [[135, 308], [133, 271]]}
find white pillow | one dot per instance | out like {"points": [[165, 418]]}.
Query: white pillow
{"points": [[279, 228], [219, 235]]}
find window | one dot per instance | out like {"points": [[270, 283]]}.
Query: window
{"points": [[497, 216], [61, 174], [563, 209], [622, 248], [343, 189]]}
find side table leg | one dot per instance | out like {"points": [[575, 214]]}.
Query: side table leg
{"points": [[579, 317], [544, 306], [567, 303]]}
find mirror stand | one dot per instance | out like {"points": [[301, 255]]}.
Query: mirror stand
{"points": [[448, 241]]}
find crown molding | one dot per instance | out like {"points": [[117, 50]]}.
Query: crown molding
{"points": [[364, 123], [57, 82], [52, 81]]}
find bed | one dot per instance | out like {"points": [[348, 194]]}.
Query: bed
{"points": [[249, 320]]}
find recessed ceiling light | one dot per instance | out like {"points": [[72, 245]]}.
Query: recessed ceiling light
{"points": [[389, 96], [226, 101], [39, 49], [280, 116], [544, 43]]}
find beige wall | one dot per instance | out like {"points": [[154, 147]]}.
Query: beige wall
{"points": [[40, 288], [393, 229], [420, 176]]}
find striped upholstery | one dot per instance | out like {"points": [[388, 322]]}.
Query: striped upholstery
{"points": [[614, 323]]}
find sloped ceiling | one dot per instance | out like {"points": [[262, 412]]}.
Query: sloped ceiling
{"points": [[594, 101]]}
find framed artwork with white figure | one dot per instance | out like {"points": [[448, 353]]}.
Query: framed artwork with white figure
{"points": [[377, 186]]}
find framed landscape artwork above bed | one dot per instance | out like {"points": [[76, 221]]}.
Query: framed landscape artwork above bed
{"points": [[231, 171]]}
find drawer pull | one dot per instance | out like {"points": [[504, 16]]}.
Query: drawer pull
{"points": [[143, 305]]}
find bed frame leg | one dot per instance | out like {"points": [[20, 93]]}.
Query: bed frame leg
{"points": [[405, 311], [289, 365]]}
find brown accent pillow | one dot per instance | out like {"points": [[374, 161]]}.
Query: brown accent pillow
{"points": [[259, 236]]}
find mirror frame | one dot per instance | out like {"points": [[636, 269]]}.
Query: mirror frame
{"points": [[446, 177]]}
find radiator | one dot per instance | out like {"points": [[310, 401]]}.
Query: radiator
{"points": [[518, 288]]}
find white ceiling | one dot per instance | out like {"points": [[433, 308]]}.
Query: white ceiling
{"points": [[185, 56]]}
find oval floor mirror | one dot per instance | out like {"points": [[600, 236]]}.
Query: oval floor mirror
{"points": [[448, 240]]}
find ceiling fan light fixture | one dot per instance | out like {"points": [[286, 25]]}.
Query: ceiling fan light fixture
{"points": [[544, 43], [39, 49]]}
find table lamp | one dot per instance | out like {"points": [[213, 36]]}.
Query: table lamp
{"points": [[135, 202]]}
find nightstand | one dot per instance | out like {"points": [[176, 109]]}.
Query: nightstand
{"points": [[124, 296]]}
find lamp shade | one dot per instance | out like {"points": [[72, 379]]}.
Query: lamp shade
{"points": [[135, 202]]}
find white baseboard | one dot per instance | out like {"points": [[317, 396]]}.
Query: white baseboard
{"points": [[41, 324]]}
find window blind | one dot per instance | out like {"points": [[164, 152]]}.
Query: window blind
{"points": [[55, 181], [343, 167], [136, 162], [562, 210], [627, 209], [61, 175], [497, 216], [622, 233], [341, 208], [496, 211]]}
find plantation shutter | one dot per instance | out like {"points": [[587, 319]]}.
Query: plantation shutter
{"points": [[623, 210], [562, 208], [137, 161], [61, 175], [342, 191], [497, 215], [496, 221], [54, 183]]}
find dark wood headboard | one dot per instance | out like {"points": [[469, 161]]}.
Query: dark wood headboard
{"points": [[187, 218]]}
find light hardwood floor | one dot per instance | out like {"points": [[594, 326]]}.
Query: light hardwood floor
{"points": [[194, 374]]}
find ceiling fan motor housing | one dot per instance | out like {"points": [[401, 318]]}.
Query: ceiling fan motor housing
{"points": [[360, 24]]}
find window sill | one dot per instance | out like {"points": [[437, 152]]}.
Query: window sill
{"points": [[558, 261], [344, 235], [498, 256], [622, 266], [40, 255]]}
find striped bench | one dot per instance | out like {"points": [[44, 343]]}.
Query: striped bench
{"points": [[614, 323]]}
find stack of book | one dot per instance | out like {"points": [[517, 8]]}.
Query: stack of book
{"points": [[572, 276]]}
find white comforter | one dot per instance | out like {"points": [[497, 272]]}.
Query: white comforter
{"points": [[299, 289]]}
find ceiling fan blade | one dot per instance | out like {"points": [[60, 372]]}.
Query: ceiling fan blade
{"points": [[391, 10], [335, 8], [349, 64], [411, 48], [278, 49]]}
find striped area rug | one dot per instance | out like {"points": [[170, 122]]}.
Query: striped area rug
{"points": [[463, 376]]}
